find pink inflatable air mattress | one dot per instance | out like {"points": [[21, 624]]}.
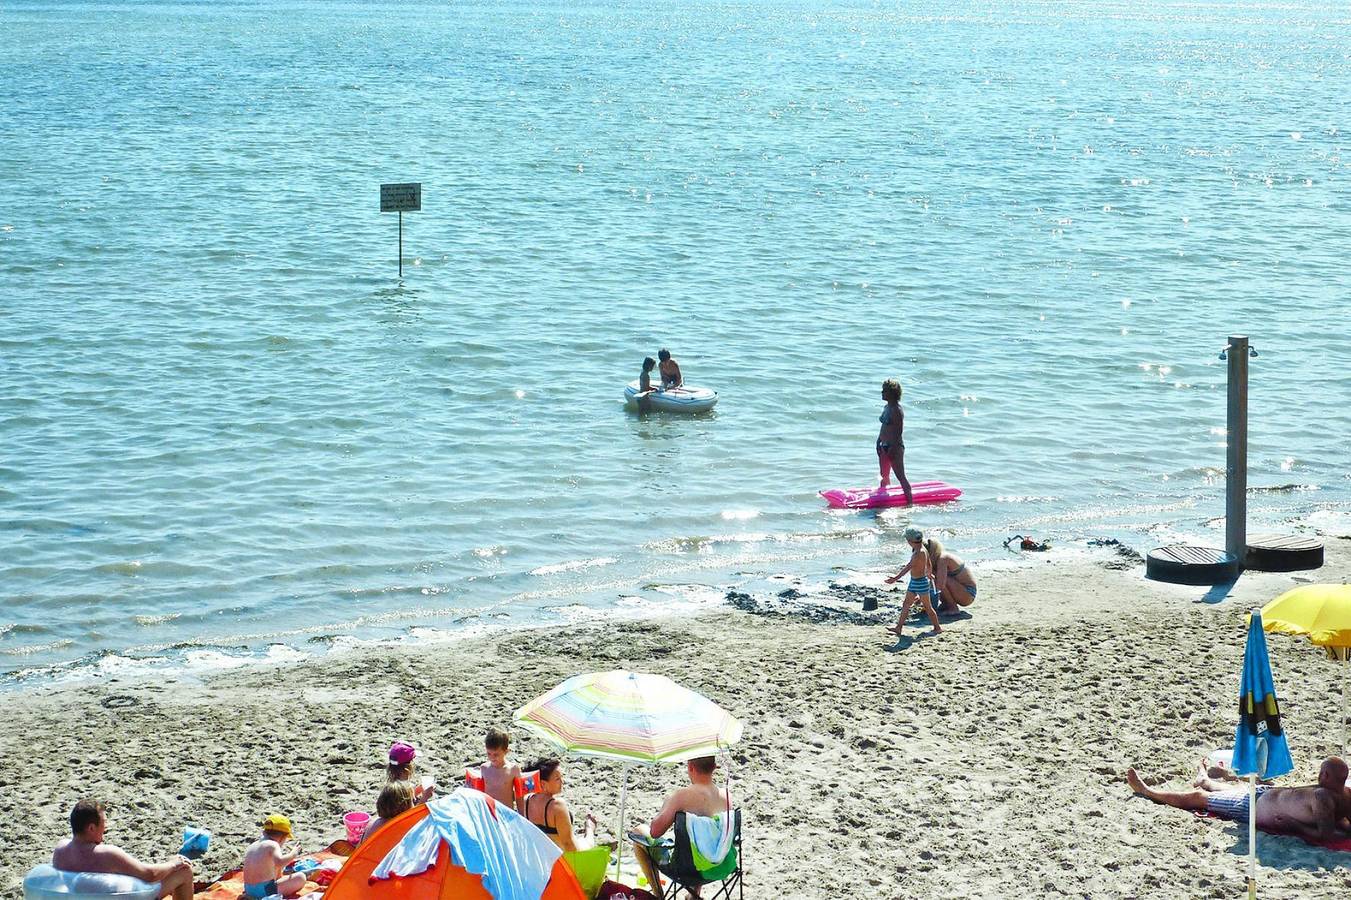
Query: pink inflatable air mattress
{"points": [[872, 498]]}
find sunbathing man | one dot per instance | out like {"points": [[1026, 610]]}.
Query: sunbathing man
{"points": [[1312, 812], [86, 852], [700, 797]]}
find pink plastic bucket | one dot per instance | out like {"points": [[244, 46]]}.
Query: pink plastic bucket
{"points": [[355, 823]]}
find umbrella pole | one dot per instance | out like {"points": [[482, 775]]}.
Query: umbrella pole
{"points": [[1344, 665], [619, 832], [1252, 836]]}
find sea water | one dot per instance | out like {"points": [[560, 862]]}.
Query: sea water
{"points": [[229, 430]]}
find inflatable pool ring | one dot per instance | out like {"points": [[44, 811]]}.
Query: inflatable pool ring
{"points": [[685, 399], [45, 882]]}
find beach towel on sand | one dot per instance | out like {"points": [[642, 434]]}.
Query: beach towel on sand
{"points": [[230, 886]]}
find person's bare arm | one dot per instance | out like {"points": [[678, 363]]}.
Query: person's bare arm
{"points": [[563, 825], [939, 572], [1321, 825], [901, 574], [679, 379], [285, 859], [517, 800], [123, 863], [666, 818]]}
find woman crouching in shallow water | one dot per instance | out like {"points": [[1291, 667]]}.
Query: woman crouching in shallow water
{"points": [[954, 587], [891, 439]]}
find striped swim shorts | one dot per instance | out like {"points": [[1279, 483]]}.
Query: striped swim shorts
{"points": [[1232, 805]]}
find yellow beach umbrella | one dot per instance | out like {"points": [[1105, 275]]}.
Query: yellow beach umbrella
{"points": [[1323, 613]]}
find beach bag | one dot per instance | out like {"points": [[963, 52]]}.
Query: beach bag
{"points": [[613, 890]]}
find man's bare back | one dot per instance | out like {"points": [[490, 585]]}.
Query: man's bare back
{"points": [[75, 855], [700, 800]]}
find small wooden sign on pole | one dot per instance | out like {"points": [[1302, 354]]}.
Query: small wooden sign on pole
{"points": [[401, 198]]}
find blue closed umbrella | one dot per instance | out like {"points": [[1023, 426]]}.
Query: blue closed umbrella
{"points": [[1259, 744], [1260, 748]]}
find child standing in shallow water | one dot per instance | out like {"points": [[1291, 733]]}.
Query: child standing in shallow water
{"points": [[921, 581]]}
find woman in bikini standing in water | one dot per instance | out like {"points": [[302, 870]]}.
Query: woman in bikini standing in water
{"points": [[890, 439]]}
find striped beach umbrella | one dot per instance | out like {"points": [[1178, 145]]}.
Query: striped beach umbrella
{"points": [[631, 717]]}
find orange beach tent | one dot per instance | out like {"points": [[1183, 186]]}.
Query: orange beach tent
{"points": [[445, 879]]}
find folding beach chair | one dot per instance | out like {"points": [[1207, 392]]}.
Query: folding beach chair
{"points": [[686, 877]]}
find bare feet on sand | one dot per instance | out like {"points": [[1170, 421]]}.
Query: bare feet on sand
{"points": [[1133, 779]]}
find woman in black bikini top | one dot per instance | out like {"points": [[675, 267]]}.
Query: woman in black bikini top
{"points": [[549, 812]]}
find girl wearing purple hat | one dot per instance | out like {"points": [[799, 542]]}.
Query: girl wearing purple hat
{"points": [[401, 756]]}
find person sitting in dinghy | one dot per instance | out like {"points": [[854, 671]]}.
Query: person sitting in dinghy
{"points": [[645, 388], [670, 371]]}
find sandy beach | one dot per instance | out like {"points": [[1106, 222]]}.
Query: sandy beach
{"points": [[986, 762]]}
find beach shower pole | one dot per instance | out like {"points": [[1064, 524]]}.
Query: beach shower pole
{"points": [[1236, 462]]}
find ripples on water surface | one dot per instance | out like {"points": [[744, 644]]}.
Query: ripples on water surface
{"points": [[226, 424]]}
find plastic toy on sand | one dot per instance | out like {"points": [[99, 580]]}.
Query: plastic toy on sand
{"points": [[872, 498]]}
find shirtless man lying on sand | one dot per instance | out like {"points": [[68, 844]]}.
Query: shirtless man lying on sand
{"points": [[1316, 812], [86, 852]]}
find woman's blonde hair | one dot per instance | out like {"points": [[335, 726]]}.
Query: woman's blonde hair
{"points": [[891, 389], [935, 549], [399, 771]]}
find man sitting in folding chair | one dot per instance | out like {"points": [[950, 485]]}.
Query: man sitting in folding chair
{"points": [[704, 846]]}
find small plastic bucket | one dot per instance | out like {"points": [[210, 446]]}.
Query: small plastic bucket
{"points": [[195, 842], [355, 823]]}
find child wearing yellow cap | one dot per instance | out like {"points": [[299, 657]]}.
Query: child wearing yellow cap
{"points": [[264, 862]]}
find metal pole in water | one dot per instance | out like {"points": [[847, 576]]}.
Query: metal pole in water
{"points": [[1236, 468]]}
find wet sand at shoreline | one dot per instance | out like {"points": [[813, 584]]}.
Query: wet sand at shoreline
{"points": [[987, 761]]}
